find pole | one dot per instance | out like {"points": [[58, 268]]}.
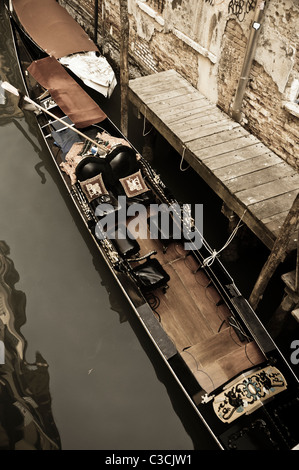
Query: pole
{"points": [[277, 254], [248, 59], [297, 265], [96, 16], [124, 68], [11, 89]]}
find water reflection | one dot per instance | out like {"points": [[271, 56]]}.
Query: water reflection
{"points": [[26, 420], [8, 104]]}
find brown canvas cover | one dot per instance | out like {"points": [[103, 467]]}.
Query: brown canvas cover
{"points": [[52, 28], [66, 92]]}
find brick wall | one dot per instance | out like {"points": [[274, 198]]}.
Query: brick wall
{"points": [[233, 49], [266, 117], [155, 45]]}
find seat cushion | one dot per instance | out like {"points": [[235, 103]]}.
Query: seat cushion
{"points": [[90, 167], [151, 275], [125, 243]]}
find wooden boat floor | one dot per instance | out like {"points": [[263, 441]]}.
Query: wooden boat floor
{"points": [[190, 315]]}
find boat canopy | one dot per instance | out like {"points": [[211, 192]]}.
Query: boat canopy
{"points": [[66, 92], [52, 28]]}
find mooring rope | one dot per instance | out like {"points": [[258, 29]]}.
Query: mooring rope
{"points": [[210, 259], [182, 159]]}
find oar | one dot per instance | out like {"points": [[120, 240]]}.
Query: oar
{"points": [[11, 89]]}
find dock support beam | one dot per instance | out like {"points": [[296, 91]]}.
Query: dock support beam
{"points": [[96, 16], [124, 66], [289, 304], [277, 254]]}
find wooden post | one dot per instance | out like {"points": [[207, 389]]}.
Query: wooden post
{"points": [[231, 253], [124, 68], [277, 254], [258, 18], [96, 16], [297, 265]]}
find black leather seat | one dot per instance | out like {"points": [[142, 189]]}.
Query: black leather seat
{"points": [[122, 163], [151, 275], [91, 167], [124, 242], [166, 232]]}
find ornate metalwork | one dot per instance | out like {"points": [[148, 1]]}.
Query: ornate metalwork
{"points": [[247, 393], [240, 8]]}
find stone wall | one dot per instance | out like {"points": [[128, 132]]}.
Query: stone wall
{"points": [[205, 41]]}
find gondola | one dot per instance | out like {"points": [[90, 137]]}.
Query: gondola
{"points": [[211, 340]]}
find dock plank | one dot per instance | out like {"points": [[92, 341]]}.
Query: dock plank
{"points": [[274, 205], [237, 157], [260, 161], [222, 148], [255, 177], [269, 190], [243, 172]]}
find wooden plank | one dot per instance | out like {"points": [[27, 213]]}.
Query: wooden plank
{"points": [[171, 98], [220, 149], [186, 111], [181, 109], [259, 161], [205, 119], [269, 190], [173, 321], [140, 83], [207, 125], [235, 156], [275, 205], [275, 222], [248, 356], [162, 86], [206, 298], [255, 177], [276, 218], [206, 115], [214, 139], [152, 95], [217, 346]]}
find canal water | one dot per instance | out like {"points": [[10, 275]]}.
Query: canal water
{"points": [[108, 387], [105, 385]]}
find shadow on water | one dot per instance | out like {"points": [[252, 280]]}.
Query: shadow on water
{"points": [[26, 420]]}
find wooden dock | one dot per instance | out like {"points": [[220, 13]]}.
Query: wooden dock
{"points": [[252, 181]]}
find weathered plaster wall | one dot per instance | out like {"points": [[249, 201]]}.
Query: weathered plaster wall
{"points": [[206, 41]]}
